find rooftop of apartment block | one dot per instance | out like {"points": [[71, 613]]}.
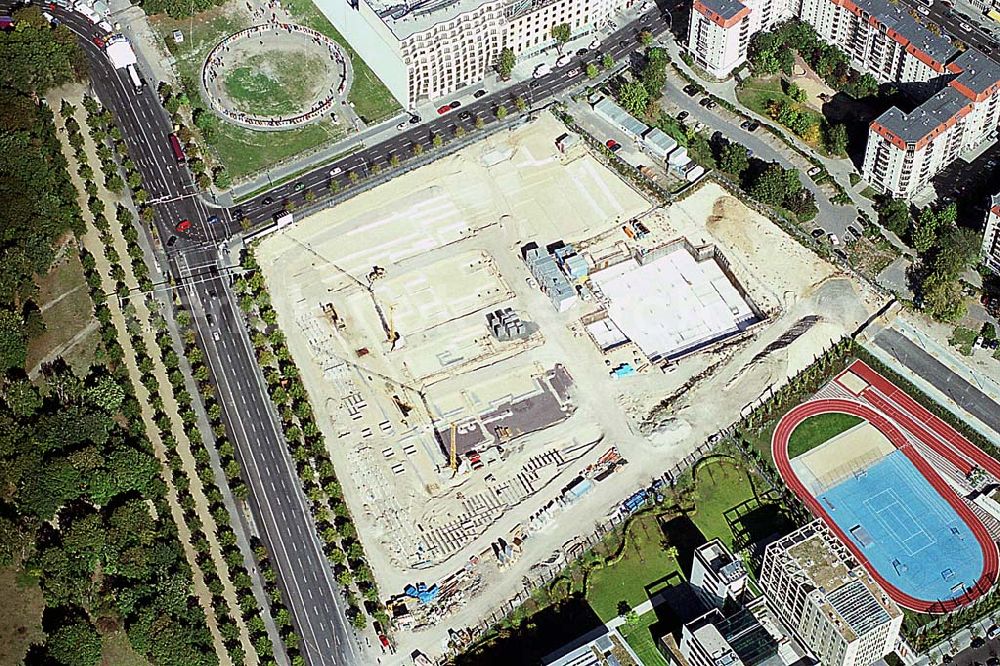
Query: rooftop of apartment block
{"points": [[926, 118], [406, 19], [727, 9], [897, 19], [979, 72]]}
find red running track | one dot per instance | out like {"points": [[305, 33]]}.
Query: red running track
{"points": [[779, 449], [941, 428]]}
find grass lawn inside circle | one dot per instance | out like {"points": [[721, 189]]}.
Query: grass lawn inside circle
{"points": [[816, 430], [274, 84]]}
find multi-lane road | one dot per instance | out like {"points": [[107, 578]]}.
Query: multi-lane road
{"points": [[276, 498], [954, 23], [621, 44]]}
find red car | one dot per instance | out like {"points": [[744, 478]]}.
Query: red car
{"points": [[99, 41], [444, 109], [613, 145], [183, 225]]}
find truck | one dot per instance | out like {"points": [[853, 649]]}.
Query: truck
{"points": [[133, 75]]}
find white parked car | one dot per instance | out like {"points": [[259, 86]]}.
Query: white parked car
{"points": [[834, 240], [401, 126], [563, 60]]}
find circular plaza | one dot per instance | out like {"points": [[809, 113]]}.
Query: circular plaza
{"points": [[277, 76]]}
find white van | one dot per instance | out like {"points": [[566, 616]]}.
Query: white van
{"points": [[133, 75], [542, 70]]}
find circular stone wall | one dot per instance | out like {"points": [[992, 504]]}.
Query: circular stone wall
{"points": [[276, 76]]}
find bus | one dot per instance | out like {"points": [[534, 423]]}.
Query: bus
{"points": [[133, 75], [175, 145]]}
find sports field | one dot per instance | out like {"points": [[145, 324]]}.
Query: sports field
{"points": [[906, 530], [872, 485]]}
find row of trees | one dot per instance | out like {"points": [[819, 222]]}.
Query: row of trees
{"points": [[218, 519], [180, 106], [774, 51], [83, 509], [308, 449], [98, 123]]}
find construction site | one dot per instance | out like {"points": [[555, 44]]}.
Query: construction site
{"points": [[504, 344]]}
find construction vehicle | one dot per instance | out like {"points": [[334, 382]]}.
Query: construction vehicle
{"points": [[392, 334], [454, 453]]}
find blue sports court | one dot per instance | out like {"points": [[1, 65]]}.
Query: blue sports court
{"points": [[906, 530]]}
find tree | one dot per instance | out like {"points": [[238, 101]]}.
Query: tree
{"points": [[836, 139], [418, 148], [592, 70], [893, 214], [394, 160], [506, 62], [923, 231], [13, 343], [607, 61], [437, 141], [771, 186], [75, 644], [561, 33], [501, 112], [206, 121], [633, 97], [645, 37], [795, 92], [733, 158], [942, 298], [460, 131], [520, 103]]}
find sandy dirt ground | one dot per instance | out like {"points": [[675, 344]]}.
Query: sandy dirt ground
{"points": [[839, 457], [425, 257]]}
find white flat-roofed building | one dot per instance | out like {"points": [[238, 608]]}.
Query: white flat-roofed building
{"points": [[671, 304], [991, 236], [425, 50], [828, 599]]}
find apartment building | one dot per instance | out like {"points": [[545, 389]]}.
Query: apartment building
{"points": [[716, 575], [831, 603], [879, 37], [736, 629], [991, 236], [906, 150], [719, 31], [431, 48]]}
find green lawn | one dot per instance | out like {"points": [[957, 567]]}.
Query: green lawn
{"points": [[759, 94], [817, 429], [645, 563], [242, 151], [117, 651], [722, 485], [640, 639], [372, 100], [963, 339], [270, 84]]}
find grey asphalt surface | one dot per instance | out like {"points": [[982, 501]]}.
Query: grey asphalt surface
{"points": [[619, 44], [831, 217], [276, 498], [277, 501], [953, 22], [940, 377]]}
